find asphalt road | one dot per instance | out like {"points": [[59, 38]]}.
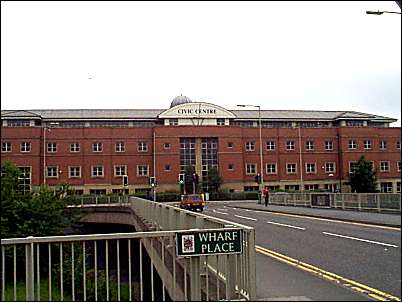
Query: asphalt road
{"points": [[348, 261]]}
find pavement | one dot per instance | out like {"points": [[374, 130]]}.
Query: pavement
{"points": [[383, 219]]}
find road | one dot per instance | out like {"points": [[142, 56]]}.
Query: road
{"points": [[305, 258]]}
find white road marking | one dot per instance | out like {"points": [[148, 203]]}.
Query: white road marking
{"points": [[286, 225], [246, 217], [222, 209], [220, 212], [359, 239]]}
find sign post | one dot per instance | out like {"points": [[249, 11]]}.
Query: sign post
{"points": [[208, 243]]}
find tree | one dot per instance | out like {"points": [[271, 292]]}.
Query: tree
{"points": [[363, 177], [32, 214], [214, 181]]}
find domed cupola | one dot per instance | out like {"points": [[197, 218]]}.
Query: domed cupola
{"points": [[181, 99]]}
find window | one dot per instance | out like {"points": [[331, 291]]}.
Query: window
{"points": [[292, 187], [291, 168], [97, 171], [398, 145], [398, 165], [18, 123], [51, 147], [367, 144], [352, 166], [310, 145], [142, 147], [251, 169], [51, 172], [220, 122], [75, 147], [142, 170], [166, 145], [74, 171], [383, 145], [311, 187], [352, 144], [329, 145], [120, 147], [384, 166], [290, 145], [270, 145], [120, 170], [271, 168], [330, 167], [230, 145], [173, 122], [24, 179], [25, 147], [97, 147], [386, 187], [398, 187], [167, 168], [231, 167], [250, 146], [5, 147], [310, 167]]}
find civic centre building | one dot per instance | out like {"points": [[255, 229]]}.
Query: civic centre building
{"points": [[301, 150]]}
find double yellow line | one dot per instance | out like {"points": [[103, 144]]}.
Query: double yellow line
{"points": [[353, 285]]}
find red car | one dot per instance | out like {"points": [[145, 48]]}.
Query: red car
{"points": [[192, 202]]}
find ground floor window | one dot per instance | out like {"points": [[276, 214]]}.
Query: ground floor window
{"points": [[398, 187], [97, 191], [311, 187], [386, 187], [24, 179], [292, 187], [251, 188]]}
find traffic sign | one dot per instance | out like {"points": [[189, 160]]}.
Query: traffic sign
{"points": [[208, 243]]}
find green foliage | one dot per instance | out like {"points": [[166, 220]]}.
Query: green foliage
{"points": [[32, 214], [363, 178], [214, 180]]}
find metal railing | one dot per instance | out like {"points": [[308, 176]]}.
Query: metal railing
{"points": [[115, 266], [380, 202]]}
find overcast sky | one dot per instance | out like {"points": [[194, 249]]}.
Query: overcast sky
{"points": [[140, 55]]}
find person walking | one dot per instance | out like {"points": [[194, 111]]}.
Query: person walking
{"points": [[265, 193]]}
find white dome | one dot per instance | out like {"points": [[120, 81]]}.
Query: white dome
{"points": [[181, 99]]}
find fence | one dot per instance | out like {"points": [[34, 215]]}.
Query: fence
{"points": [[116, 267], [381, 202]]}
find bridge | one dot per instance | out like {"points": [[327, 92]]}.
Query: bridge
{"points": [[115, 266]]}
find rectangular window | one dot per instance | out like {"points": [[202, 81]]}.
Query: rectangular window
{"points": [[230, 145], [291, 168], [97, 171], [384, 166], [352, 166], [398, 187], [367, 144], [290, 145], [51, 171], [119, 170], [166, 145], [5, 147], [398, 165], [142, 170], [120, 147], [329, 167], [75, 147], [24, 179], [352, 144], [310, 145], [51, 147], [329, 145], [25, 147], [310, 168], [250, 146], [251, 169], [386, 187], [398, 145], [173, 122], [270, 145], [97, 147], [74, 171], [142, 147], [18, 123], [220, 122], [271, 168], [292, 187], [383, 145], [311, 187], [231, 167], [167, 168]]}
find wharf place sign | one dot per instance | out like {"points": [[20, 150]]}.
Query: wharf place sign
{"points": [[208, 243]]}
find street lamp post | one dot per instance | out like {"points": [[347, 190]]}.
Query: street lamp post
{"points": [[261, 184]]}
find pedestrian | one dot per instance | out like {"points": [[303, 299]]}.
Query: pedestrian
{"points": [[265, 193]]}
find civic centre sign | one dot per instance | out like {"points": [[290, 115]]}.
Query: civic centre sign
{"points": [[196, 110], [208, 243]]}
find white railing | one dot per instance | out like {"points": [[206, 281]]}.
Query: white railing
{"points": [[379, 202], [112, 267]]}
